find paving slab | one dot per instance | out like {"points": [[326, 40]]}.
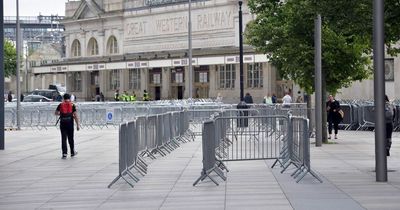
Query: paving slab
{"points": [[33, 176]]}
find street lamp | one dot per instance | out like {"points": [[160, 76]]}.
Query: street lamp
{"points": [[190, 50], [18, 68], [241, 50]]}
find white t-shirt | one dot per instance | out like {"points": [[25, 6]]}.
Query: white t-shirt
{"points": [[287, 99]]}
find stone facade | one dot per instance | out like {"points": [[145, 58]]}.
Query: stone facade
{"points": [[138, 45]]}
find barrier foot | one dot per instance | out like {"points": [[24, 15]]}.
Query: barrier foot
{"points": [[113, 181], [117, 178], [277, 161], [298, 172], [286, 166], [135, 178], [205, 174]]}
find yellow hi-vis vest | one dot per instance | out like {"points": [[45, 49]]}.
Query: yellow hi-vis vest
{"points": [[133, 97]]}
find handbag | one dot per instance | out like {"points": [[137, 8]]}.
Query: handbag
{"points": [[341, 112]]}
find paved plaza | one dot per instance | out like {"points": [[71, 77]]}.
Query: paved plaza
{"points": [[33, 176]]}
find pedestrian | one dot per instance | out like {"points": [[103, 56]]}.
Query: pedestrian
{"points": [[334, 117], [9, 96], [125, 96], [97, 97], [116, 95], [248, 98], [67, 112], [219, 97], [274, 98], [59, 98], [101, 96], [22, 97], [299, 98], [133, 96], [268, 99], [286, 100], [389, 118], [73, 98], [146, 96]]}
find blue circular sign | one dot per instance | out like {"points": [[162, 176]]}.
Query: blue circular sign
{"points": [[109, 116]]}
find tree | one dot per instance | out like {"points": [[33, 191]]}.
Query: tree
{"points": [[285, 32], [10, 59]]}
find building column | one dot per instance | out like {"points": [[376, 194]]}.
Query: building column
{"points": [[144, 81], [213, 81], [43, 77], [165, 83]]}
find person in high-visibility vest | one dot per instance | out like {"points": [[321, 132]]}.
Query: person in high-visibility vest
{"points": [[133, 96], [116, 95], [146, 96], [125, 96]]}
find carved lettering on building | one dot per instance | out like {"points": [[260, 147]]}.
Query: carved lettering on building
{"points": [[136, 28], [171, 25], [206, 19], [215, 20]]}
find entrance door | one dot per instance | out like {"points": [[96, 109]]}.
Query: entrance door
{"points": [[180, 92], [157, 93], [94, 85]]}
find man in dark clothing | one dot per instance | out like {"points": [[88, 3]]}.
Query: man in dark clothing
{"points": [[9, 96], [67, 112], [248, 99]]}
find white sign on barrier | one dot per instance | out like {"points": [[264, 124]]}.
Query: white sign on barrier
{"points": [[109, 115]]}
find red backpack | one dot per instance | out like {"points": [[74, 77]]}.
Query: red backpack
{"points": [[66, 112]]}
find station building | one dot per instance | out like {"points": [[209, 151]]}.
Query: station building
{"points": [[137, 45]]}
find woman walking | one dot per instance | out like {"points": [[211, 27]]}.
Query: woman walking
{"points": [[334, 118]]}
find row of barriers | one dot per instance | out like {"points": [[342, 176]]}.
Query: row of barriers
{"points": [[361, 116], [110, 114], [233, 136], [147, 136]]}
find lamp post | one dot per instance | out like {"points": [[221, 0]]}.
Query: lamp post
{"points": [[379, 91], [190, 50], [241, 51], [18, 40], [1, 75]]}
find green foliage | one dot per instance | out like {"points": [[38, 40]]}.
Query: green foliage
{"points": [[10, 57], [285, 32]]}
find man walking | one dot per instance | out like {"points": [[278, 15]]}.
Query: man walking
{"points": [[67, 112]]}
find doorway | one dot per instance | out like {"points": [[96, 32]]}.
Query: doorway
{"points": [[157, 93], [180, 92]]}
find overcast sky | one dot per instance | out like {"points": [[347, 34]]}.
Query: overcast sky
{"points": [[34, 7]]}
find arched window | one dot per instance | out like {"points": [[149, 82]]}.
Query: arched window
{"points": [[76, 48], [93, 47], [112, 45]]}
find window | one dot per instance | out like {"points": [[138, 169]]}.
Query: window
{"points": [[93, 48], [177, 75], [226, 76], [114, 79], [76, 81], [201, 76], [134, 79], [76, 48], [254, 75], [112, 45]]}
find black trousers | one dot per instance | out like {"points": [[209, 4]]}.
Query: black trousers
{"points": [[389, 131], [67, 132], [335, 126]]}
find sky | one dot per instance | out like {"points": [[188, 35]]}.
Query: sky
{"points": [[34, 7]]}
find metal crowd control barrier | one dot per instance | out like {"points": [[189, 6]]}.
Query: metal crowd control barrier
{"points": [[277, 137], [148, 136], [297, 152]]}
